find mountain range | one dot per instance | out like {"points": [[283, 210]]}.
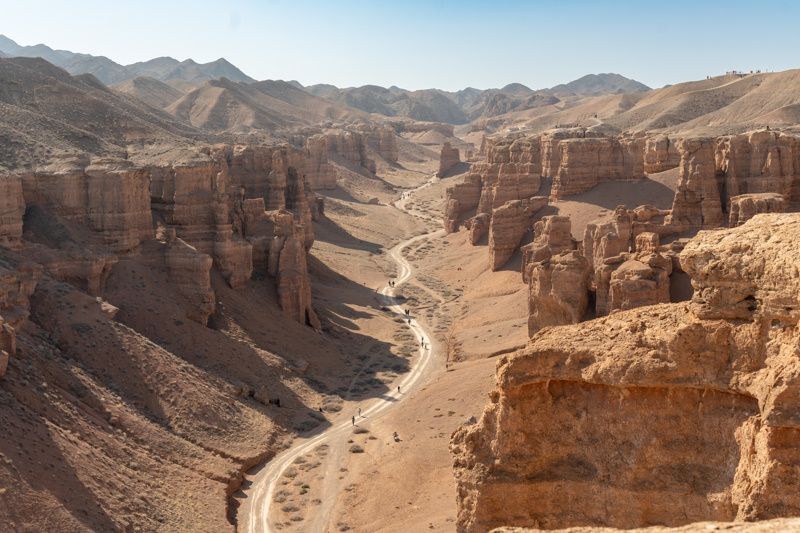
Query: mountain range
{"points": [[164, 80]]}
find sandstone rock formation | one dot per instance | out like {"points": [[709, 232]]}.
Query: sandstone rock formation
{"points": [[111, 198], [321, 174], [583, 163], [352, 146], [387, 144], [12, 207], [668, 414], [746, 206], [559, 291], [660, 154], [697, 201], [460, 198], [509, 224], [758, 162], [552, 236], [478, 226], [190, 270], [632, 280], [287, 263], [448, 158]]}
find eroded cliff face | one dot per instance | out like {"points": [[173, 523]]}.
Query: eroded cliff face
{"points": [[206, 208], [715, 171], [583, 163], [668, 414], [321, 174], [448, 158], [660, 154]]}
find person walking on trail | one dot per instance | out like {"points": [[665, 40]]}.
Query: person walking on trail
{"points": [[359, 411], [398, 389], [354, 421]]}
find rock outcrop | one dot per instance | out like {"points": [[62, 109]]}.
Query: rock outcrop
{"points": [[478, 226], [583, 163], [758, 162], [190, 270], [321, 174], [552, 236], [660, 154], [17, 283], [558, 291], [111, 198], [509, 224], [352, 146], [287, 263], [12, 207], [746, 206], [448, 158], [632, 280], [697, 200], [668, 414], [387, 144], [461, 198]]}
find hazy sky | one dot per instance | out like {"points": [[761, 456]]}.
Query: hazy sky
{"points": [[421, 44]]}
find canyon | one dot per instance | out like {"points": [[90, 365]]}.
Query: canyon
{"points": [[239, 305]]}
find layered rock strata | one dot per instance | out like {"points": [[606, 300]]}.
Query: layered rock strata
{"points": [[321, 174], [190, 271], [552, 236], [509, 224], [697, 200], [387, 145], [12, 207], [110, 198], [558, 290], [448, 158], [668, 415], [746, 206], [660, 154], [583, 163], [632, 280], [212, 203]]}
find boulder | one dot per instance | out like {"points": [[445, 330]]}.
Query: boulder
{"points": [[478, 226]]}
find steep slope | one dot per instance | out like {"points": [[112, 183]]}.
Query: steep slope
{"points": [[224, 106], [150, 90], [44, 111]]}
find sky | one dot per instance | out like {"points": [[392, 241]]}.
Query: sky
{"points": [[417, 44]]}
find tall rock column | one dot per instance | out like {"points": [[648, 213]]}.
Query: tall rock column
{"points": [[697, 201]]}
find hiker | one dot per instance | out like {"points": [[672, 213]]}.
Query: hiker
{"points": [[359, 411], [422, 342], [320, 409], [409, 321], [354, 421], [398, 389]]}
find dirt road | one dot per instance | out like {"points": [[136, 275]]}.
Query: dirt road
{"points": [[255, 516]]}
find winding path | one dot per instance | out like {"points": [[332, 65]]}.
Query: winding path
{"points": [[256, 519]]}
